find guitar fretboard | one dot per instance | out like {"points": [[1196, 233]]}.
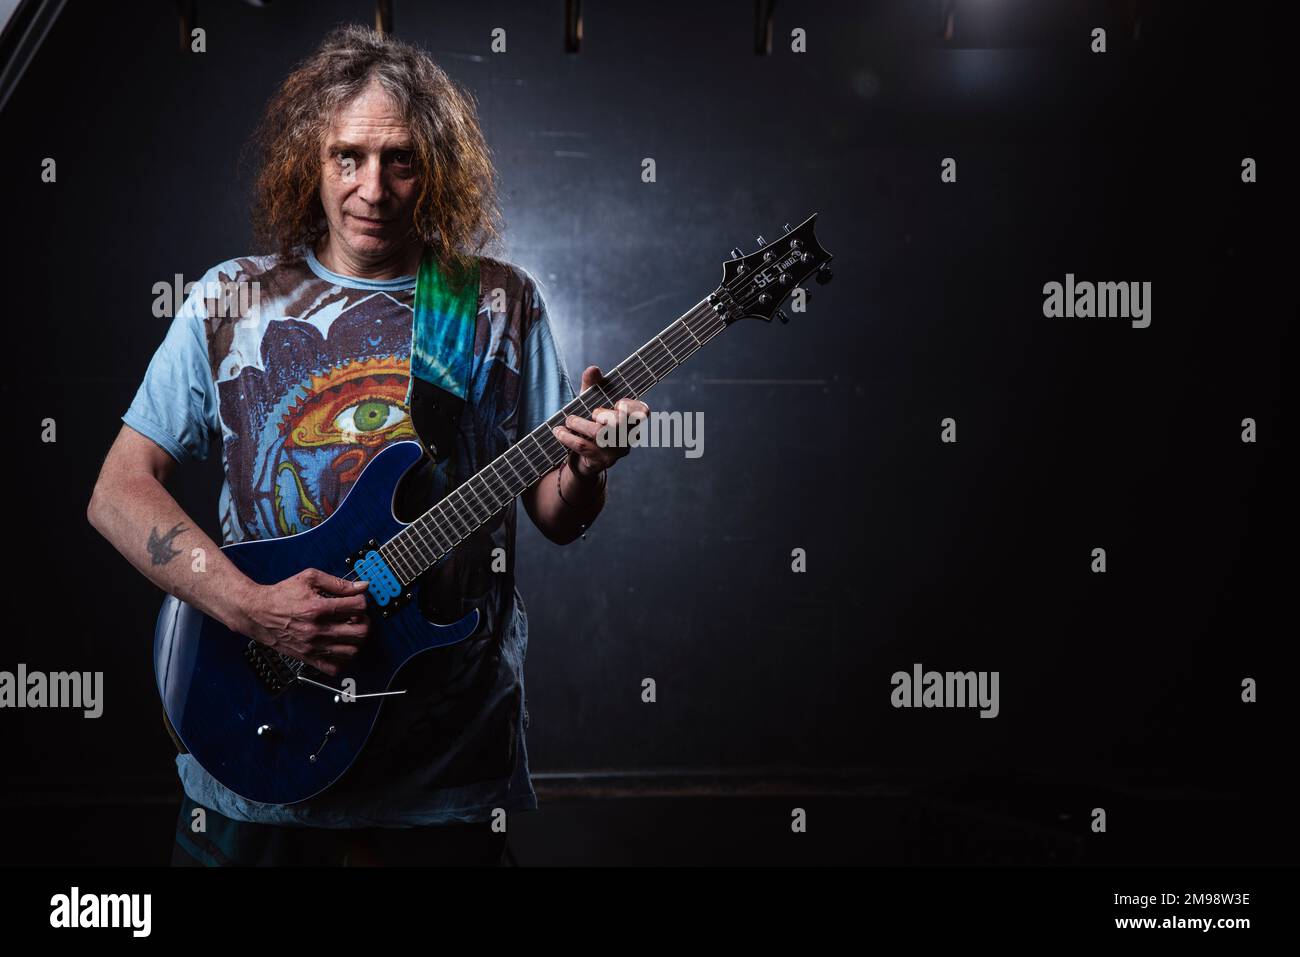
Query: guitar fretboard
{"points": [[421, 544]]}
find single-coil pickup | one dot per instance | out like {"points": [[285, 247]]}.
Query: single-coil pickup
{"points": [[384, 585]]}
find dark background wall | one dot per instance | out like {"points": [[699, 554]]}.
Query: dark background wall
{"points": [[823, 434]]}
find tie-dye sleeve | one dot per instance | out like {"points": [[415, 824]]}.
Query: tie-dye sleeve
{"points": [[176, 403]]}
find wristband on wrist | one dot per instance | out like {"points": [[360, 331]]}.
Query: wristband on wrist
{"points": [[604, 481]]}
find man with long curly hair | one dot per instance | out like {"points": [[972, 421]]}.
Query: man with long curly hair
{"points": [[370, 158]]}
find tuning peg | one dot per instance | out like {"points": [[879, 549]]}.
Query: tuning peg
{"points": [[786, 227], [780, 314], [736, 252], [761, 240], [824, 274]]}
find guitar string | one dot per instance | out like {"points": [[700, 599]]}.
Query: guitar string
{"points": [[679, 333], [433, 526], [637, 382], [490, 478], [405, 550]]}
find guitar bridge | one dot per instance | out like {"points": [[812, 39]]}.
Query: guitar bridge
{"points": [[273, 669]]}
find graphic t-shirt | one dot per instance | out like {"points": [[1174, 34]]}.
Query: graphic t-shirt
{"points": [[302, 378]]}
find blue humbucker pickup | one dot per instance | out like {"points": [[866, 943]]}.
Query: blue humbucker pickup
{"points": [[384, 585]]}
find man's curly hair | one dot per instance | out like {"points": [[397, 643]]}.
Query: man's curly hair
{"points": [[456, 210]]}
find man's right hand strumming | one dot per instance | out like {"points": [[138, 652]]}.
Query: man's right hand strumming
{"points": [[315, 617]]}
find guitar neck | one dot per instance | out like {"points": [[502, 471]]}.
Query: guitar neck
{"points": [[435, 533]]}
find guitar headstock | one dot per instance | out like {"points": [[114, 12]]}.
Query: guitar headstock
{"points": [[755, 286]]}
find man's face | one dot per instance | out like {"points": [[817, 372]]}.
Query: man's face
{"points": [[368, 184]]}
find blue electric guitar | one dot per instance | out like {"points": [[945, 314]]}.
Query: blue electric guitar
{"points": [[275, 730]]}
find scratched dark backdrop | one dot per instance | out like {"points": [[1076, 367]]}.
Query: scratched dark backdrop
{"points": [[822, 435]]}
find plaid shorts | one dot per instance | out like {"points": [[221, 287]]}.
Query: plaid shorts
{"points": [[225, 843]]}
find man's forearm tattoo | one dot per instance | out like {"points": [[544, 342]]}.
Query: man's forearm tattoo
{"points": [[160, 546]]}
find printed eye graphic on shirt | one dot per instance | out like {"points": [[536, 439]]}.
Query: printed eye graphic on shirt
{"points": [[341, 420], [369, 417], [361, 403], [327, 398]]}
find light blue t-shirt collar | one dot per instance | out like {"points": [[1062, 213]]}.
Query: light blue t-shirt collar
{"points": [[353, 282]]}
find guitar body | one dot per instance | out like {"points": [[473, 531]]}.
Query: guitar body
{"points": [[248, 722]]}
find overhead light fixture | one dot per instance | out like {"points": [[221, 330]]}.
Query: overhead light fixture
{"points": [[947, 19], [572, 26], [188, 13], [763, 26]]}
